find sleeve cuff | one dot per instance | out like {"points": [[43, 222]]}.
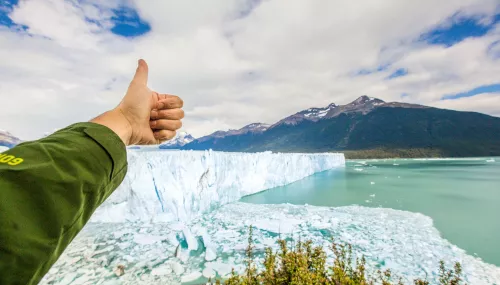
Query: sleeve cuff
{"points": [[108, 140]]}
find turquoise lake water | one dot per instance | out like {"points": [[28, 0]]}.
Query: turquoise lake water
{"points": [[462, 196]]}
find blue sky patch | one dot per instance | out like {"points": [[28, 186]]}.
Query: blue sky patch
{"points": [[127, 23], [5, 8], [398, 73], [458, 30], [366, 71], [492, 88]]}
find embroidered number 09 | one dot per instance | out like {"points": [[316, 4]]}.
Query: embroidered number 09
{"points": [[10, 159]]}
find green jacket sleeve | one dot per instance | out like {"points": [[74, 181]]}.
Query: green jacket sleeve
{"points": [[48, 190]]}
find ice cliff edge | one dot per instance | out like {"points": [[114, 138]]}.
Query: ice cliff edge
{"points": [[163, 186]]}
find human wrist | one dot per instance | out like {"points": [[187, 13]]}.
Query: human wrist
{"points": [[116, 121]]}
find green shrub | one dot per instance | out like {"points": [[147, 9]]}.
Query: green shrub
{"points": [[305, 264]]}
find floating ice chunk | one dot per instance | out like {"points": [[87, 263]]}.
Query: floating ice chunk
{"points": [[222, 268], [396, 164], [68, 278], [191, 276], [177, 252], [490, 160], [53, 270], [210, 254], [210, 248], [368, 201], [208, 273], [183, 255], [119, 234], [276, 225], [190, 239], [74, 260], [358, 169], [110, 282], [372, 183], [372, 195], [177, 268], [147, 239], [80, 280], [163, 269], [172, 239]]}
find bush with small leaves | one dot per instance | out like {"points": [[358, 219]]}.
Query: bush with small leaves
{"points": [[305, 264]]}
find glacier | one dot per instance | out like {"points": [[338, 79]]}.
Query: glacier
{"points": [[159, 253], [164, 186]]}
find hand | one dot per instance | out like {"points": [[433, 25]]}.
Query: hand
{"points": [[153, 117], [144, 116]]}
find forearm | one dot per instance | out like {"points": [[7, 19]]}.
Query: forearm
{"points": [[48, 197], [116, 121]]}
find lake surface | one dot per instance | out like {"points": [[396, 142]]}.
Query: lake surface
{"points": [[462, 196]]}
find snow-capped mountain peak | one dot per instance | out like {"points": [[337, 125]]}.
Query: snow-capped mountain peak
{"points": [[255, 127], [7, 139], [311, 114], [365, 99], [317, 113], [251, 128], [362, 105], [180, 139]]}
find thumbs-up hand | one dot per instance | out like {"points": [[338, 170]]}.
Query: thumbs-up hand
{"points": [[144, 116]]}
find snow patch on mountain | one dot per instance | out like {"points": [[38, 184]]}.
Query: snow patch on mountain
{"points": [[8, 140], [311, 114], [254, 128], [180, 139]]}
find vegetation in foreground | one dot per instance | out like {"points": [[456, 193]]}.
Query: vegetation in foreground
{"points": [[307, 264]]}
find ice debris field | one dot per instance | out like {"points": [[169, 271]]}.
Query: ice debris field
{"points": [[175, 220]]}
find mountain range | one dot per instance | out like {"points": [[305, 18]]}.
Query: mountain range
{"points": [[367, 128]]}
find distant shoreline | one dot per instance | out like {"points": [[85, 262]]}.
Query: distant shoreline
{"points": [[409, 153]]}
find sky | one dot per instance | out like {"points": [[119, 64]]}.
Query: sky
{"points": [[236, 62]]}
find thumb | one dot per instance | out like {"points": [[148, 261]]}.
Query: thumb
{"points": [[141, 74]]}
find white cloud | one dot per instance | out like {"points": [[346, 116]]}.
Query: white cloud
{"points": [[233, 66], [480, 103]]}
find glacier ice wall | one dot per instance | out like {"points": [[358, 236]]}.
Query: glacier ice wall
{"points": [[163, 186]]}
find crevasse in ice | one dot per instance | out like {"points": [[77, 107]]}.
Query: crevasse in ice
{"points": [[163, 186]]}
